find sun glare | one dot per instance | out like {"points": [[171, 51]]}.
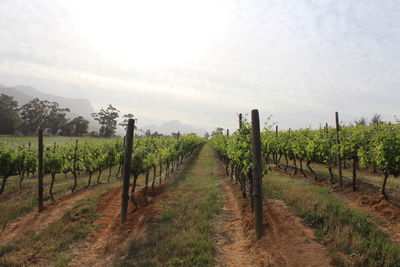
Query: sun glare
{"points": [[150, 32]]}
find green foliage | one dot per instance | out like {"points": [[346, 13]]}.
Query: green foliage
{"points": [[93, 156], [9, 116], [375, 145], [107, 119]]}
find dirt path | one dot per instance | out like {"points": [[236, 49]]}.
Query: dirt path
{"points": [[33, 222], [288, 242], [109, 243]]}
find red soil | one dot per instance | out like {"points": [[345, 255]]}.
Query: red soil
{"points": [[110, 242], [287, 242], [367, 199], [34, 221]]}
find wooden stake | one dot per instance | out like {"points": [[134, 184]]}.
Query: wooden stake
{"points": [[257, 181], [127, 169], [40, 170], [276, 154], [338, 143]]}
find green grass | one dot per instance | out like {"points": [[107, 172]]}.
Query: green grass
{"points": [[26, 199], [352, 236], [322, 172], [50, 245], [182, 235]]}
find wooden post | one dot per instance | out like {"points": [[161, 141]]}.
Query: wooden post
{"points": [[74, 167], [338, 143], [240, 120], [257, 181], [127, 169], [40, 170], [227, 132], [276, 154]]}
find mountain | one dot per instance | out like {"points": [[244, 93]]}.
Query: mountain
{"points": [[173, 127], [78, 107]]}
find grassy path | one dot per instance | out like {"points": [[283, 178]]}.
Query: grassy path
{"points": [[59, 229], [353, 236], [182, 234]]}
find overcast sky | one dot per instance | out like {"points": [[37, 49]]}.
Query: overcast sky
{"points": [[202, 62]]}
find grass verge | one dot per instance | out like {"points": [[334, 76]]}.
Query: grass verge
{"points": [[25, 200], [49, 246], [352, 236], [182, 235]]}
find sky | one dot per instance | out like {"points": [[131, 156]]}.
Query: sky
{"points": [[203, 62]]}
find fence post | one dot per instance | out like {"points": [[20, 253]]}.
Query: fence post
{"points": [[257, 181], [40, 170], [338, 143], [276, 154], [127, 169]]}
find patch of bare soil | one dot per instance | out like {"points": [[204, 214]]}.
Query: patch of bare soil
{"points": [[10, 194], [110, 242], [34, 221], [367, 199], [387, 212], [287, 242]]}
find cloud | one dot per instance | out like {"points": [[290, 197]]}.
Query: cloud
{"points": [[299, 60]]}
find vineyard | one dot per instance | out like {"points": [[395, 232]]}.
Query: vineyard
{"points": [[250, 198], [374, 147], [92, 157]]}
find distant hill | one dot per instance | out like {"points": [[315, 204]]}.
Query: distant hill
{"points": [[78, 107], [174, 126], [82, 107]]}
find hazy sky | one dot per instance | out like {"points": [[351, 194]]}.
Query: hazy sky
{"points": [[202, 62]]}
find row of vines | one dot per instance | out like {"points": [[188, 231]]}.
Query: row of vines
{"points": [[375, 147], [89, 158]]}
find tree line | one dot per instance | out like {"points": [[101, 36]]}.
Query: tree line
{"points": [[28, 118], [35, 114]]}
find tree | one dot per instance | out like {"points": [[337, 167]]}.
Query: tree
{"points": [[107, 119], [55, 118], [156, 134], [147, 133], [9, 114], [42, 114], [80, 125], [126, 118], [376, 119], [33, 115], [218, 130], [67, 130], [206, 135], [361, 121]]}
